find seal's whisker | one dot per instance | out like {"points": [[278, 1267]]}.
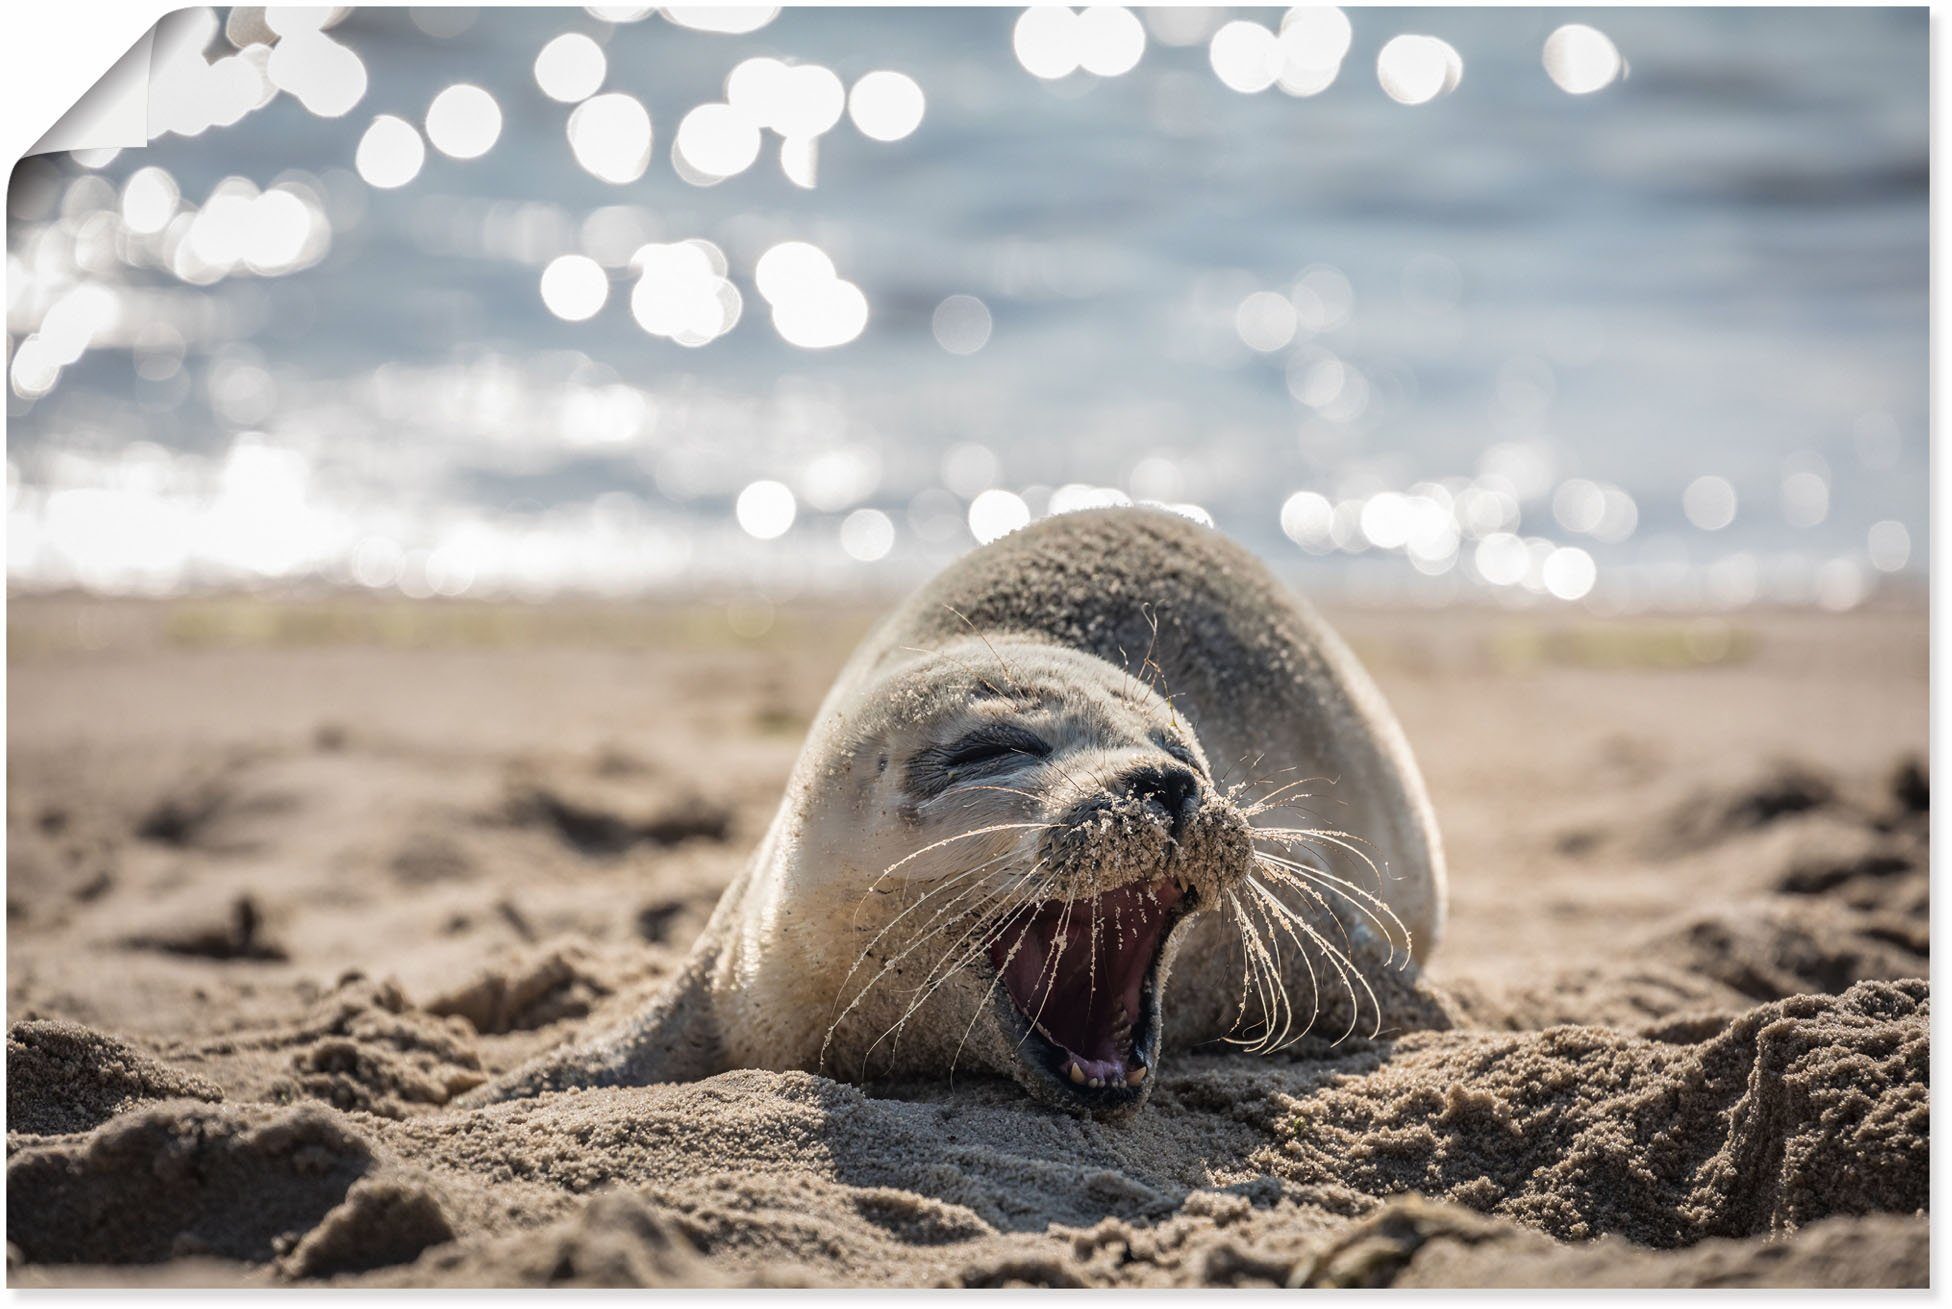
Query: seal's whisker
{"points": [[947, 963], [1267, 801], [962, 952], [1282, 881], [1271, 1036], [978, 915], [1343, 840], [868, 949], [1228, 772], [972, 786], [1259, 965], [1240, 1015], [1254, 971], [959, 836], [1314, 980], [1345, 968], [989, 992], [1362, 901]]}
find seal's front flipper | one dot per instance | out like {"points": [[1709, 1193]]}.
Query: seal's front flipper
{"points": [[676, 1039]]}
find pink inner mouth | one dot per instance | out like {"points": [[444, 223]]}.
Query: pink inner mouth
{"points": [[1076, 971]]}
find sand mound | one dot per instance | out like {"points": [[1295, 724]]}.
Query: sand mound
{"points": [[63, 1078], [362, 1046], [526, 995], [1414, 1243], [182, 1179], [382, 1221], [1799, 1109]]}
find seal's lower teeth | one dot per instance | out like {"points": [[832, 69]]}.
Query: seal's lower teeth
{"points": [[1136, 1076], [1077, 1073]]}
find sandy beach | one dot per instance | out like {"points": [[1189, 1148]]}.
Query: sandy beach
{"points": [[286, 877]]}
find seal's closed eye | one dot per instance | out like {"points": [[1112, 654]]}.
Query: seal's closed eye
{"points": [[980, 753], [993, 744]]}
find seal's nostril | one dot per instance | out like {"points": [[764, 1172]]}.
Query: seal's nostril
{"points": [[1174, 790]]}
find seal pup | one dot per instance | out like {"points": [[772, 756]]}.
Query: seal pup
{"points": [[1020, 838]]}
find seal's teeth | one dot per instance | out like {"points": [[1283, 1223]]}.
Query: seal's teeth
{"points": [[1136, 1076], [1077, 1073], [1097, 1082]]}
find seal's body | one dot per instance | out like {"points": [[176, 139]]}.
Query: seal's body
{"points": [[1028, 802]]}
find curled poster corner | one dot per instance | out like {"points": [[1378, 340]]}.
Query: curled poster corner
{"points": [[113, 112], [117, 110]]}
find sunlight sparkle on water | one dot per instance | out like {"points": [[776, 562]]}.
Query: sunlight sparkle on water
{"points": [[1314, 39], [610, 135], [1046, 41], [717, 140], [574, 287], [886, 105], [728, 20], [1415, 70], [464, 121], [1569, 573], [765, 509], [867, 535], [1709, 502], [961, 324], [813, 308], [1110, 40], [996, 513], [571, 68], [1890, 545], [1246, 57], [1581, 59], [390, 154], [681, 294], [149, 200]]}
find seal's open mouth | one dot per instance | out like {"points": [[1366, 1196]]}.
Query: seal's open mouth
{"points": [[1082, 978]]}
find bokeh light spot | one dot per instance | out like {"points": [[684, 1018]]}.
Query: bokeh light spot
{"points": [[996, 513], [149, 200], [1245, 56], [571, 68], [1046, 41], [961, 324], [1581, 59], [574, 287], [867, 535], [717, 140], [1890, 545], [1709, 502], [390, 153], [1569, 573], [610, 135], [1415, 70], [1110, 40], [765, 509], [464, 121], [886, 105]]}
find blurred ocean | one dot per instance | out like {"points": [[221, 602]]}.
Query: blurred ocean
{"points": [[1663, 344]]}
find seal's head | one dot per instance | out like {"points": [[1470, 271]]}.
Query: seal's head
{"points": [[1033, 825]]}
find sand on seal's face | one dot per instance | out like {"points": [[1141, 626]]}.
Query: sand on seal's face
{"points": [[1691, 1047]]}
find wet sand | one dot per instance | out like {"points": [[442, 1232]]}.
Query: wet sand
{"points": [[286, 878]]}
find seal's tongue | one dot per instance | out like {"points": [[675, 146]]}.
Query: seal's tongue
{"points": [[1076, 970]]}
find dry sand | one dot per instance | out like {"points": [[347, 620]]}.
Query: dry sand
{"points": [[285, 879]]}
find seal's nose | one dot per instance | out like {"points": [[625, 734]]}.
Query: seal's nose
{"points": [[1174, 790]]}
